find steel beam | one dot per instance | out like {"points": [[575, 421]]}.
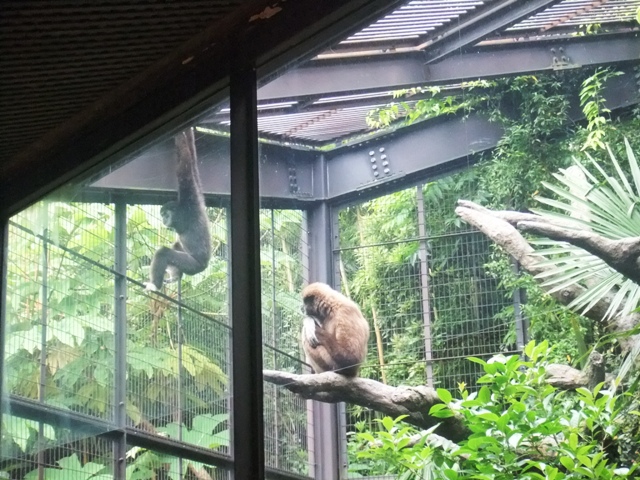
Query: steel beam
{"points": [[488, 21], [392, 72], [214, 169], [346, 172], [408, 154]]}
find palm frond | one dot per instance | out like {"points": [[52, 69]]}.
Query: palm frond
{"points": [[588, 197]]}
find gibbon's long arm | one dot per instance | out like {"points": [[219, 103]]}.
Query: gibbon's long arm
{"points": [[189, 186]]}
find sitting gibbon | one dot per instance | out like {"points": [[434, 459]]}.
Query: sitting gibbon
{"points": [[334, 332]]}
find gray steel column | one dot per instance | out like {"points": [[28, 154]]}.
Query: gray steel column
{"points": [[44, 300], [424, 285], [325, 415], [521, 328], [120, 338], [179, 419], [246, 314]]}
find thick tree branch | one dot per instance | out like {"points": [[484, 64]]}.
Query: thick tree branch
{"points": [[500, 226], [393, 401], [565, 377], [621, 255], [415, 402]]}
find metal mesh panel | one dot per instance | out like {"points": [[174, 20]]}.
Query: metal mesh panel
{"points": [[59, 298], [465, 307], [62, 321], [284, 272], [178, 344], [143, 463], [419, 275], [32, 450]]}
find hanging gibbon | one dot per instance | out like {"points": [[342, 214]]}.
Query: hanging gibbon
{"points": [[191, 253], [334, 332]]}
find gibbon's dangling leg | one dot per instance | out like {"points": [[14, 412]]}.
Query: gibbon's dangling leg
{"points": [[334, 332], [188, 217]]}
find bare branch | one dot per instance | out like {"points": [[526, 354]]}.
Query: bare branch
{"points": [[415, 402], [568, 378], [499, 227], [393, 401]]}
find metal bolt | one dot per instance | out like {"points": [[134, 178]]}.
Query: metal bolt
{"points": [[385, 163], [373, 159], [375, 174], [386, 170], [372, 153], [381, 149], [383, 156], [375, 167]]}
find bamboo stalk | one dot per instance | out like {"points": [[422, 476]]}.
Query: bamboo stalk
{"points": [[374, 314]]}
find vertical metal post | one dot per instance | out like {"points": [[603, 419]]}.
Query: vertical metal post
{"points": [[341, 408], [179, 419], [325, 416], [44, 301], [120, 336], [246, 314], [521, 330], [274, 336], [424, 285], [311, 439]]}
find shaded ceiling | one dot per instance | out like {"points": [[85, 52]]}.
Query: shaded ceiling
{"points": [[59, 57]]}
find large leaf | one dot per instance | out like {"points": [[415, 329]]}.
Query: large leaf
{"points": [[589, 197]]}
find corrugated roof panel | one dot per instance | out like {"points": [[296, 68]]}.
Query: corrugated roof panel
{"points": [[575, 13], [319, 126], [415, 19]]}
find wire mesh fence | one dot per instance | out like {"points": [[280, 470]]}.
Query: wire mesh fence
{"points": [[63, 321], [59, 296], [31, 450], [419, 276], [284, 260], [146, 463], [179, 343]]}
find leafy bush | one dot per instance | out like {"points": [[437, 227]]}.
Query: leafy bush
{"points": [[521, 428]]}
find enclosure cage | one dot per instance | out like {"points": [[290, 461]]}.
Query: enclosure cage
{"points": [[102, 379]]}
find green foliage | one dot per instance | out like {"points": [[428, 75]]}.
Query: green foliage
{"points": [[421, 103], [546, 318], [60, 337], [591, 198], [70, 467], [521, 428], [593, 106]]}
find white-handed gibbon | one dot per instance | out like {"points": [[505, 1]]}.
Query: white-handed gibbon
{"points": [[190, 254], [334, 332]]}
